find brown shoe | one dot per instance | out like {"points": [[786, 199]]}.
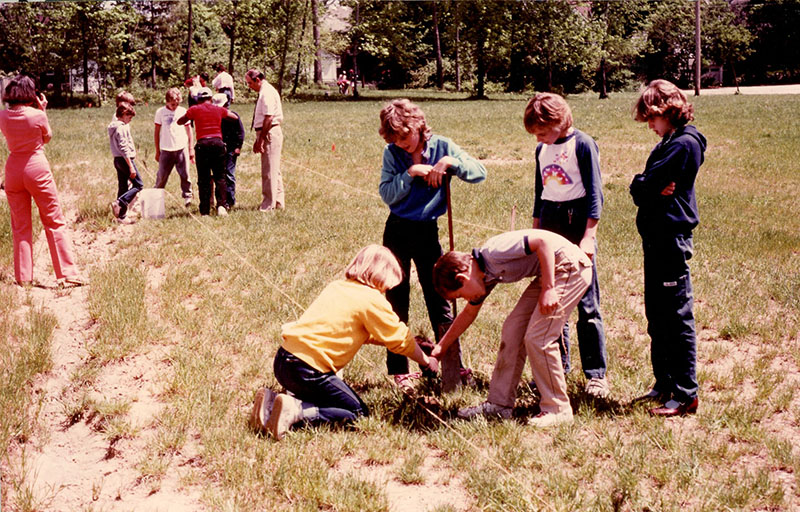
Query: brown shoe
{"points": [[675, 408]]}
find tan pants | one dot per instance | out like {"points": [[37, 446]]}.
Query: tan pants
{"points": [[527, 331], [271, 179]]}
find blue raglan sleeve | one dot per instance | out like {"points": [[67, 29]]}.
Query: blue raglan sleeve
{"points": [[589, 165], [469, 169], [395, 181], [538, 186], [663, 167]]}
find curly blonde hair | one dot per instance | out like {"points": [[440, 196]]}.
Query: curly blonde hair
{"points": [[663, 98], [401, 117]]}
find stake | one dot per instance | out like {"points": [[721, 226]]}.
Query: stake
{"points": [[451, 360]]}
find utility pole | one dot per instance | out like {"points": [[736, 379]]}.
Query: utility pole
{"points": [[697, 62]]}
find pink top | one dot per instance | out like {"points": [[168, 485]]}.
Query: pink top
{"points": [[25, 129]]}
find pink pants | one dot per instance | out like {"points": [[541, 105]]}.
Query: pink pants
{"points": [[28, 176]]}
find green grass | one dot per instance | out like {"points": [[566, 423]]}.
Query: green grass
{"points": [[227, 285]]}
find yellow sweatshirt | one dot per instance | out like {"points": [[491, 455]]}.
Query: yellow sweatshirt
{"points": [[346, 315]]}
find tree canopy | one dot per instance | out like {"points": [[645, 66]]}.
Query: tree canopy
{"points": [[483, 45]]}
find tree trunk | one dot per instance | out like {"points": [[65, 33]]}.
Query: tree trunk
{"points": [[603, 88], [287, 6], [458, 47], [480, 53], [232, 49], [189, 35], [300, 50], [85, 63], [438, 47], [317, 44]]}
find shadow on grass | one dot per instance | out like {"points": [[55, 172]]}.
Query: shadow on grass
{"points": [[373, 95]]}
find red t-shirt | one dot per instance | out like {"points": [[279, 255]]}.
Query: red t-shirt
{"points": [[207, 119]]}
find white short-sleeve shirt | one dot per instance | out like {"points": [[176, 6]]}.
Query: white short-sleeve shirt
{"points": [[173, 136]]}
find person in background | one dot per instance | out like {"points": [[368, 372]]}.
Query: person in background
{"points": [[172, 143], [223, 83], [267, 120], [233, 137], [28, 176]]}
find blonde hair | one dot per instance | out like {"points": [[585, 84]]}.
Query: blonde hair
{"points": [[401, 117], [547, 109], [663, 98], [173, 94], [375, 266]]}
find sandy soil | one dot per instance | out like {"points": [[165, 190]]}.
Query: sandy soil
{"points": [[69, 467]]}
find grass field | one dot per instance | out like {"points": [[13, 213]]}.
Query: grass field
{"points": [[215, 292]]}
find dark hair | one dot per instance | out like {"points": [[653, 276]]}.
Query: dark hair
{"points": [[204, 76], [447, 267], [220, 67], [21, 90]]}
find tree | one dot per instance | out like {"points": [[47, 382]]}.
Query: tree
{"points": [[317, 45], [776, 47]]}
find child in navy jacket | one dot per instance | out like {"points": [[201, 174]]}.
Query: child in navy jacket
{"points": [[667, 214]]}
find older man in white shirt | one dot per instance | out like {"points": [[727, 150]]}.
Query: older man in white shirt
{"points": [[267, 120]]}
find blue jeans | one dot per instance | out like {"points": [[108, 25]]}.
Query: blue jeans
{"points": [[326, 398], [230, 177], [568, 219], [668, 302], [124, 194]]}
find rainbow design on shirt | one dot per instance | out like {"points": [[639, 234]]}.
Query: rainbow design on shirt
{"points": [[556, 173]]}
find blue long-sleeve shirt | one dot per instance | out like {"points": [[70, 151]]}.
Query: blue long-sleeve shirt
{"points": [[412, 198], [676, 159]]}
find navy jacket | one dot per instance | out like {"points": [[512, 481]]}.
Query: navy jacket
{"points": [[232, 133], [677, 158]]}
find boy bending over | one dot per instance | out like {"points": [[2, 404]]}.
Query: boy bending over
{"points": [[563, 273]]}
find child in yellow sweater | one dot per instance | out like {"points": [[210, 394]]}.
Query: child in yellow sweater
{"points": [[347, 314]]}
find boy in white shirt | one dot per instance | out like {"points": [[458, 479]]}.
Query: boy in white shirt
{"points": [[172, 142]]}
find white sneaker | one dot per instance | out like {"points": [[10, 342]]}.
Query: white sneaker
{"points": [[597, 388], [262, 407], [550, 419], [286, 411], [187, 201], [485, 409], [221, 211]]}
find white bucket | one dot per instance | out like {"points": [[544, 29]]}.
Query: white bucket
{"points": [[152, 203]]}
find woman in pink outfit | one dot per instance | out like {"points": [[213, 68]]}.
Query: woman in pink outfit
{"points": [[28, 175]]}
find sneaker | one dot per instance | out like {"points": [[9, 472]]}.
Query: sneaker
{"points": [[597, 387], [550, 419], [266, 209], [125, 220], [115, 208], [485, 409], [286, 411], [187, 201], [221, 211], [262, 407], [407, 381]]}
